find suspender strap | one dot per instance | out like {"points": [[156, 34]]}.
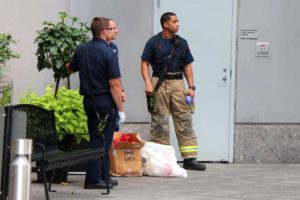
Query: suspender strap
{"points": [[162, 74]]}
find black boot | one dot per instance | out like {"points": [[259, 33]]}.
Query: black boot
{"points": [[193, 164]]}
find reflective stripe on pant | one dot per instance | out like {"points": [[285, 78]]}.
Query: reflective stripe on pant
{"points": [[170, 99]]}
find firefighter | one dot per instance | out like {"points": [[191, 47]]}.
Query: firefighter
{"points": [[100, 84], [170, 59]]}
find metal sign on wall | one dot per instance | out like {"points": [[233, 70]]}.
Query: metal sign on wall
{"points": [[249, 34]]}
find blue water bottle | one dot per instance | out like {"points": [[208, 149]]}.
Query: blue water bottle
{"points": [[188, 99]]}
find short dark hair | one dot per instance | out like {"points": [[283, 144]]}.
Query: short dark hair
{"points": [[166, 17], [98, 24]]}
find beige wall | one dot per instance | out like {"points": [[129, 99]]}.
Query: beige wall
{"points": [[22, 19], [135, 21]]}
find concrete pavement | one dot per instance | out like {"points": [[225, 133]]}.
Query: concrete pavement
{"points": [[218, 182]]}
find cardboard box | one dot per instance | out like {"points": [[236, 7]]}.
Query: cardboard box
{"points": [[125, 157]]}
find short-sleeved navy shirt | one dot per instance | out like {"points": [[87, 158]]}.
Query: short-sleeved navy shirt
{"points": [[164, 46], [103, 62], [114, 47]]}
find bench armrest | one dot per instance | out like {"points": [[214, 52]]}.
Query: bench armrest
{"points": [[41, 148]]}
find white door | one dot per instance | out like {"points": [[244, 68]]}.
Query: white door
{"points": [[207, 25]]}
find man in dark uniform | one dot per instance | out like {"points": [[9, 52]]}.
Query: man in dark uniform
{"points": [[107, 89], [166, 50], [124, 96]]}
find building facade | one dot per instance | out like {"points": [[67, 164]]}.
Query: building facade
{"points": [[245, 69]]}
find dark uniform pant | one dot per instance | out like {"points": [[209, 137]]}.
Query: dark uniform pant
{"points": [[104, 104], [170, 99]]}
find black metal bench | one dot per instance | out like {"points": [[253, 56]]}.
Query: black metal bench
{"points": [[40, 127]]}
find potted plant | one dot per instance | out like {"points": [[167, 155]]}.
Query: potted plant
{"points": [[70, 117], [6, 54], [70, 122], [56, 42]]}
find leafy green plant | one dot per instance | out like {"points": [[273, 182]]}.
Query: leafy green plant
{"points": [[5, 97], [56, 42], [6, 52], [70, 117]]}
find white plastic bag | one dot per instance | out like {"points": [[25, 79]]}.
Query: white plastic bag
{"points": [[160, 160]]}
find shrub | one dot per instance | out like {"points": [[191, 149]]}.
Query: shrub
{"points": [[70, 117]]}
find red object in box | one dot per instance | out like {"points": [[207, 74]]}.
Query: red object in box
{"points": [[122, 137], [125, 154]]}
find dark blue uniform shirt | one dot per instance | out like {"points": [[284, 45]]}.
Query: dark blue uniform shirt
{"points": [[103, 62], [156, 43]]}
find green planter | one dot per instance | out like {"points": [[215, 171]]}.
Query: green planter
{"points": [[69, 143], [60, 176]]}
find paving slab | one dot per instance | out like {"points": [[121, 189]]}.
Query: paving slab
{"points": [[218, 182]]}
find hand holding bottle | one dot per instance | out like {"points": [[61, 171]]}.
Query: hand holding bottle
{"points": [[188, 100]]}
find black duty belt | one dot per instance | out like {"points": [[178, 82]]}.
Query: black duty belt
{"points": [[176, 76]]}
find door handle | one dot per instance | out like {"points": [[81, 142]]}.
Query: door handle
{"points": [[224, 78]]}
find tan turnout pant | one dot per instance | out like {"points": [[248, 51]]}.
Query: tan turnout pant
{"points": [[170, 99]]}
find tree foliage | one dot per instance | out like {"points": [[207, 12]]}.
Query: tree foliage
{"points": [[6, 53], [57, 41]]}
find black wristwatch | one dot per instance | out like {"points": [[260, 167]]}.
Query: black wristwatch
{"points": [[192, 87]]}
